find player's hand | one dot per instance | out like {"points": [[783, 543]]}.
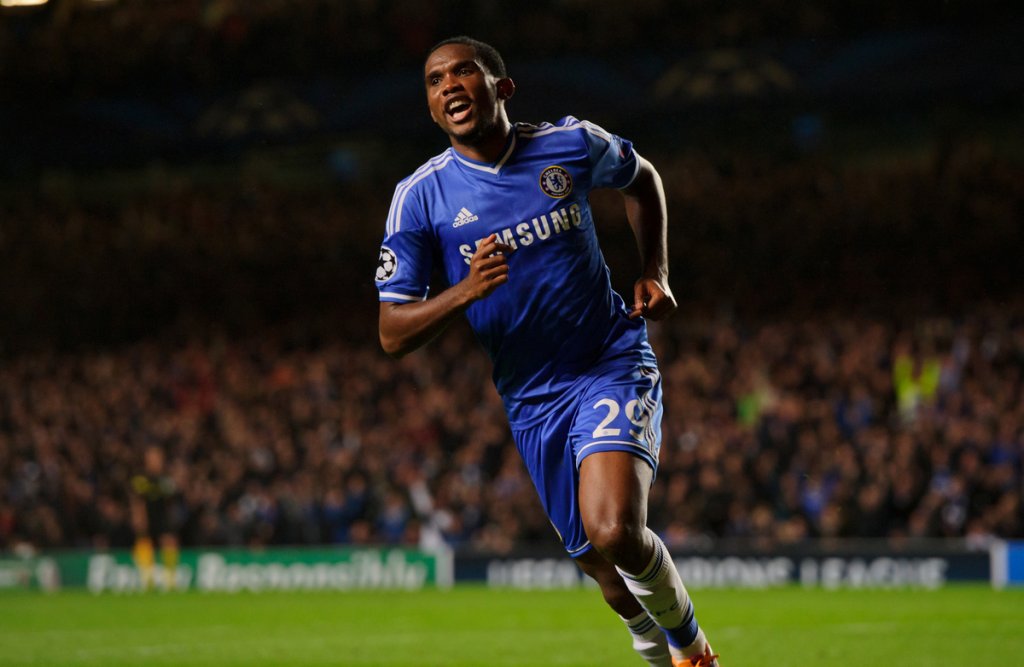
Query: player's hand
{"points": [[653, 299], [488, 268]]}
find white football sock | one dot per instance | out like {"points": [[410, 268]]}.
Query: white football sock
{"points": [[648, 640], [660, 591]]}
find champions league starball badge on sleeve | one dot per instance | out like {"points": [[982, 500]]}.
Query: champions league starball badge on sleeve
{"points": [[387, 264]]}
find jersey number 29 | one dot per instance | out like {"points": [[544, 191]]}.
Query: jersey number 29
{"points": [[639, 420]]}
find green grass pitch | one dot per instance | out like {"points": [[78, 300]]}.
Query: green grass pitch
{"points": [[477, 627]]}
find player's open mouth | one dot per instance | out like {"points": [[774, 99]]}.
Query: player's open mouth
{"points": [[458, 109]]}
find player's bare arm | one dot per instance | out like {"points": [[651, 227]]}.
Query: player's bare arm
{"points": [[405, 327], [647, 214]]}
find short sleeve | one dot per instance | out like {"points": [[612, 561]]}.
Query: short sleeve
{"points": [[406, 254], [613, 161]]}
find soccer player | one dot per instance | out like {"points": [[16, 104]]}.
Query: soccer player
{"points": [[152, 517], [505, 211]]}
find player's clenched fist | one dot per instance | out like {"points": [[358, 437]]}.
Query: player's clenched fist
{"points": [[652, 299], [488, 268]]}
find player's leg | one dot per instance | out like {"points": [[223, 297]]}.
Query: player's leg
{"points": [[648, 639], [143, 555], [170, 554], [546, 451], [613, 506], [615, 439]]}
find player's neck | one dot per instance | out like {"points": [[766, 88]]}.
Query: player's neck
{"points": [[486, 149]]}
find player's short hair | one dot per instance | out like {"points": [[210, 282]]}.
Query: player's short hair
{"points": [[488, 55]]}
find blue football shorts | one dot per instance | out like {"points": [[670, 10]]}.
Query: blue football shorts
{"points": [[618, 409]]}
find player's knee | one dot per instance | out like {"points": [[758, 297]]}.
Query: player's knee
{"points": [[616, 540]]}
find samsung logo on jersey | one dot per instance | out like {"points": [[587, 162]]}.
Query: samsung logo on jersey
{"points": [[540, 228]]}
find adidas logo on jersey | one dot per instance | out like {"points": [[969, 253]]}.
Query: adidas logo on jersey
{"points": [[464, 217]]}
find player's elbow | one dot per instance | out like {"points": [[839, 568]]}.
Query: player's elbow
{"points": [[397, 344], [393, 346], [392, 339]]}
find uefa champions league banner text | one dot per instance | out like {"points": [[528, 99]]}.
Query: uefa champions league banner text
{"points": [[873, 564]]}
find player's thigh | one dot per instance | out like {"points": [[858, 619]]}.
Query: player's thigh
{"points": [[613, 491], [616, 438]]}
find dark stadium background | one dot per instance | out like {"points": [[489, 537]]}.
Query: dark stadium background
{"points": [[192, 196]]}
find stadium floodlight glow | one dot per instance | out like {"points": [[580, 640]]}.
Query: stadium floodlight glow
{"points": [[22, 3]]}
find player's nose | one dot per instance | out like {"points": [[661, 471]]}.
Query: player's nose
{"points": [[451, 85]]}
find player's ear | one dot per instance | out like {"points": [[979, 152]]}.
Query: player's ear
{"points": [[506, 89]]}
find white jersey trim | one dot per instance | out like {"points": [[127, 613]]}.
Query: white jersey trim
{"points": [[650, 407], [490, 170], [402, 297], [579, 548], [398, 202], [632, 444], [574, 124], [636, 169]]}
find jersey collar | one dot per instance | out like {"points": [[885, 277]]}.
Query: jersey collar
{"points": [[486, 166]]}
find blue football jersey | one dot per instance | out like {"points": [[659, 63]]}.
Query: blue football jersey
{"points": [[557, 317]]}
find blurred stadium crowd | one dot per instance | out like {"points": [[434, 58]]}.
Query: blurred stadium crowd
{"points": [[848, 361]]}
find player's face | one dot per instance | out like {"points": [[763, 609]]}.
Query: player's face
{"points": [[465, 100]]}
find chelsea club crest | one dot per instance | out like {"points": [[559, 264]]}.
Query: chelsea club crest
{"points": [[556, 182]]}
